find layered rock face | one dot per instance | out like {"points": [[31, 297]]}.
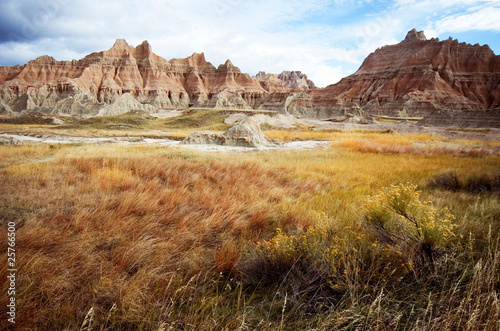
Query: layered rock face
{"points": [[126, 78], [444, 82], [418, 78], [287, 81], [296, 80]]}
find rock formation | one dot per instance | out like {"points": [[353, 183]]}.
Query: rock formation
{"points": [[443, 82], [246, 133], [287, 81], [417, 78], [296, 80], [126, 78], [272, 83]]}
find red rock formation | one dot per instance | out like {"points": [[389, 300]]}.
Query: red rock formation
{"points": [[445, 82], [100, 79], [417, 77], [287, 81], [272, 83]]}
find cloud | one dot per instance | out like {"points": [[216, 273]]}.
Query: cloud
{"points": [[256, 35], [326, 39], [484, 19], [454, 15]]}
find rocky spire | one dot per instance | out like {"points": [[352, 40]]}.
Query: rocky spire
{"points": [[120, 49], [144, 50], [414, 35]]}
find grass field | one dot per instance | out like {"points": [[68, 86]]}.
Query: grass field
{"points": [[378, 232], [134, 124]]}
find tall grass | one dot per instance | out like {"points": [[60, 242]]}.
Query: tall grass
{"points": [[397, 145], [153, 238], [96, 232]]}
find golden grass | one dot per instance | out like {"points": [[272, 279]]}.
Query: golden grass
{"points": [[399, 144], [131, 124], [299, 135], [150, 237], [105, 227], [160, 132]]}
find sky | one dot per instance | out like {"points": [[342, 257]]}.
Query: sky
{"points": [[325, 39]]}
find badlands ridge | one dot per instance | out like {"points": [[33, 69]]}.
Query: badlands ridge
{"points": [[440, 83]]}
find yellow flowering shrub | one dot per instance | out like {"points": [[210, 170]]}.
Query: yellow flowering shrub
{"points": [[317, 243], [398, 214], [345, 259], [409, 234]]}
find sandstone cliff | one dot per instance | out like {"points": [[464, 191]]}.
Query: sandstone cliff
{"points": [[126, 78], [418, 78], [444, 82]]}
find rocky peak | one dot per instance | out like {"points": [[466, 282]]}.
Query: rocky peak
{"points": [[229, 67], [290, 80], [420, 77], [120, 43], [144, 50], [120, 48], [271, 83], [197, 59], [45, 59], [414, 35], [261, 75], [296, 80]]}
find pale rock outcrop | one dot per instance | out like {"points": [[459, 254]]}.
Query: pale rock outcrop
{"points": [[202, 138], [124, 104], [246, 133]]}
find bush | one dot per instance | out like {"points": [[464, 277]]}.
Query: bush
{"points": [[476, 184], [325, 261], [483, 184], [305, 262], [399, 217], [446, 181]]}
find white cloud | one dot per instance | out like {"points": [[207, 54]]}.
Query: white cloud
{"points": [[256, 35], [454, 15], [482, 19]]}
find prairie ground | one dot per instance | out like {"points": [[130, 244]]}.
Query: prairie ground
{"points": [[379, 231]]}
